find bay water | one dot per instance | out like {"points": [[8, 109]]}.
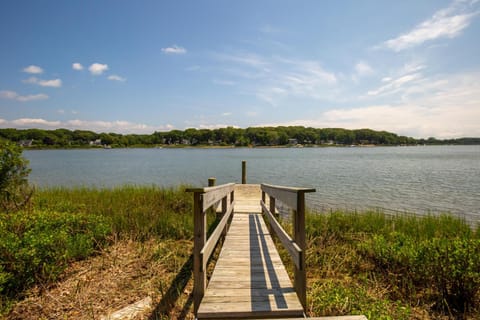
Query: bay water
{"points": [[419, 180]]}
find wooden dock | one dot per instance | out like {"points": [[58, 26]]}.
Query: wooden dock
{"points": [[249, 279]]}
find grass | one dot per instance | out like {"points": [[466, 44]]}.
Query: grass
{"points": [[392, 267], [135, 212], [130, 242]]}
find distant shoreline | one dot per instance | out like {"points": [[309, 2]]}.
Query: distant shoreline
{"points": [[240, 147]]}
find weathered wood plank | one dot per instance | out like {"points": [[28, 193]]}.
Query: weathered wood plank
{"points": [[215, 194], [213, 239], [287, 195], [248, 196], [288, 243], [249, 279]]}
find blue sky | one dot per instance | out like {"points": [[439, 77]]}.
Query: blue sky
{"points": [[410, 67]]}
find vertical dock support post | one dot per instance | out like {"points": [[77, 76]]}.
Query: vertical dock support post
{"points": [[200, 237], [299, 238], [244, 172]]}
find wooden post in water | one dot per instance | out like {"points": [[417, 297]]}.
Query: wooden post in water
{"points": [[244, 172], [211, 181]]}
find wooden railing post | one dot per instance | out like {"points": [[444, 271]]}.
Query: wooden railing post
{"points": [[224, 210], [203, 200], [299, 238], [211, 183], [200, 237], [272, 210], [272, 205], [244, 172]]}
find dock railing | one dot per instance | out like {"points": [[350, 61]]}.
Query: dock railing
{"points": [[205, 198], [294, 198]]}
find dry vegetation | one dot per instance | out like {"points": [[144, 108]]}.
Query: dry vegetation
{"points": [[118, 276], [383, 267]]}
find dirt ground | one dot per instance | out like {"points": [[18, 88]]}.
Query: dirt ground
{"points": [[155, 272]]}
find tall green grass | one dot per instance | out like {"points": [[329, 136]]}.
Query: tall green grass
{"points": [[365, 263], [62, 225], [431, 261], [136, 212]]}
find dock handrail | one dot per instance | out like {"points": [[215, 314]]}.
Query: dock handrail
{"points": [[294, 198], [204, 198]]}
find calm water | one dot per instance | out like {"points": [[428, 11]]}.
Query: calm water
{"points": [[412, 179]]}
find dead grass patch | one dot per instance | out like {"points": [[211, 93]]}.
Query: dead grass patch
{"points": [[120, 275]]}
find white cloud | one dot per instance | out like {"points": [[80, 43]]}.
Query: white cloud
{"points": [[12, 95], [214, 126], [77, 66], [118, 126], [33, 123], [174, 50], [445, 23], [394, 85], [442, 107], [226, 114], [54, 83], [97, 68], [276, 79], [416, 120], [402, 80], [5, 94], [363, 69], [298, 78], [94, 125], [115, 77], [33, 69], [245, 59]]}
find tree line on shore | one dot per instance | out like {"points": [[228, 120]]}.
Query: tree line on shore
{"points": [[229, 136]]}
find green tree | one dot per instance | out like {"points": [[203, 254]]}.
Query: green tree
{"points": [[15, 192]]}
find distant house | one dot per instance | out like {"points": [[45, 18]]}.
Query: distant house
{"points": [[97, 142], [26, 143], [293, 141]]}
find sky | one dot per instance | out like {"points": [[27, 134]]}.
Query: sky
{"points": [[408, 67]]}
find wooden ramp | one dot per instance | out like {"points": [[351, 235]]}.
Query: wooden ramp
{"points": [[247, 198], [249, 279]]}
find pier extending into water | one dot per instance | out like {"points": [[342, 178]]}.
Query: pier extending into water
{"points": [[249, 279]]}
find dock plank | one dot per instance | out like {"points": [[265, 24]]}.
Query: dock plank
{"points": [[249, 279]]}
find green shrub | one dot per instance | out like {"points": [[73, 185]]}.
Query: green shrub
{"points": [[36, 247], [14, 190], [453, 267], [329, 298], [445, 271]]}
